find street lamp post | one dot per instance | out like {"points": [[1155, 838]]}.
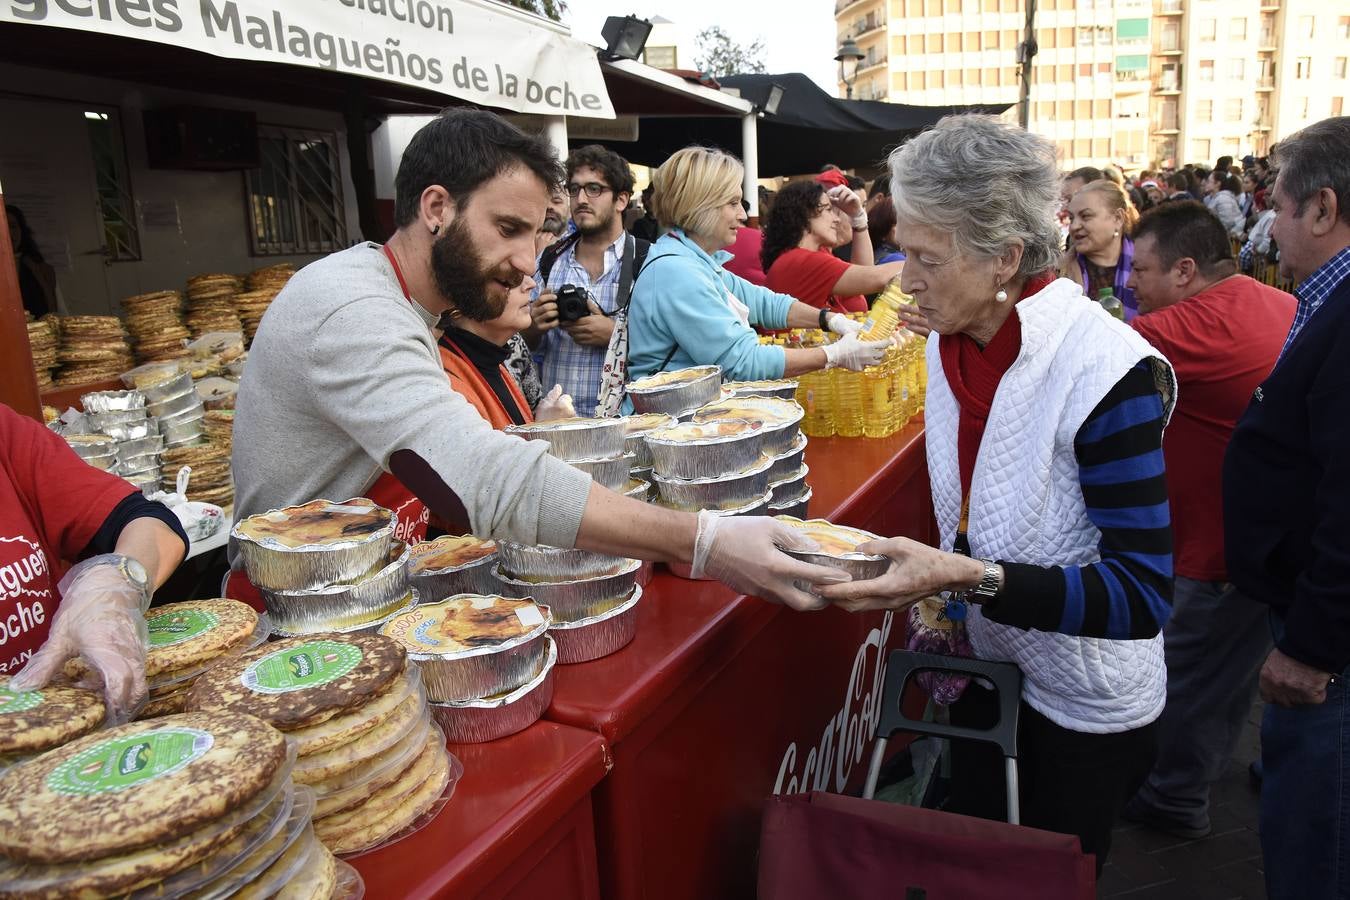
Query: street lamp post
{"points": [[848, 58]]}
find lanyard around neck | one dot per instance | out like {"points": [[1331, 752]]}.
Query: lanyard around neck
{"points": [[398, 273]]}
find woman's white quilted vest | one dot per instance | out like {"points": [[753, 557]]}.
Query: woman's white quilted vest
{"points": [[1027, 505]]}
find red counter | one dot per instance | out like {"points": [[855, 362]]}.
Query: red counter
{"points": [[722, 700], [519, 825]]}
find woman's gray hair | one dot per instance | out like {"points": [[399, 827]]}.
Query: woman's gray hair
{"points": [[1317, 157], [985, 182]]}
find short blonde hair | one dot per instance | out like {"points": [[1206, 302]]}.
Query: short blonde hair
{"points": [[1116, 199], [690, 187]]}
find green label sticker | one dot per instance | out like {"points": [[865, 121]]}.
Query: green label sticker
{"points": [[306, 666], [18, 701], [125, 762], [169, 628]]}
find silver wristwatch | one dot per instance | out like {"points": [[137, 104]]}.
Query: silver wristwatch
{"points": [[988, 587]]}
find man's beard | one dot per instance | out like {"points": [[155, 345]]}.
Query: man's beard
{"points": [[463, 278], [599, 225]]}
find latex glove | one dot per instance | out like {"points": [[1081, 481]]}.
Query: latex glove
{"points": [[916, 571], [850, 352], [743, 553], [101, 619], [842, 324], [555, 405]]}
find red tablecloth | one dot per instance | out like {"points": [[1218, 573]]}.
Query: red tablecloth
{"points": [[721, 700]]}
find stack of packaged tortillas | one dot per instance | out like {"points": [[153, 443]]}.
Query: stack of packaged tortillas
{"points": [[33, 722], [359, 720], [192, 805]]}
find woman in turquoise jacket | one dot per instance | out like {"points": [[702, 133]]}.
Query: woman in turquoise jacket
{"points": [[686, 310]]}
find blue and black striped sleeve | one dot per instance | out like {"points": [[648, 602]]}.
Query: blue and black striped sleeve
{"points": [[1127, 595]]}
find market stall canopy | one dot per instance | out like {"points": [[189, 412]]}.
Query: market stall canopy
{"points": [[416, 50], [810, 127]]}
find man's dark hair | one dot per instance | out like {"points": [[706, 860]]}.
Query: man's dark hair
{"points": [[880, 221], [855, 183], [791, 215], [1178, 181], [605, 161], [881, 186], [1087, 174], [463, 149], [1223, 164], [1187, 230], [1315, 158]]}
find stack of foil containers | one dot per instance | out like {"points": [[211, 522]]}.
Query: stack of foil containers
{"points": [[133, 444], [780, 418], [595, 446], [176, 404]]}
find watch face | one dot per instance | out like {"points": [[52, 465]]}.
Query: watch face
{"points": [[136, 572]]}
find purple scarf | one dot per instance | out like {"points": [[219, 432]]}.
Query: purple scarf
{"points": [[1123, 266]]}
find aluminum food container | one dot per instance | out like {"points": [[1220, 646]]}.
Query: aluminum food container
{"points": [[725, 492], [139, 461], [535, 564], [797, 508], [638, 489], [477, 672], [576, 439], [132, 431], [704, 457], [789, 488], [860, 565], [789, 462], [174, 387], [473, 577], [141, 474], [142, 447], [635, 427], [782, 388], [107, 462], [611, 473], [175, 406], [112, 401], [756, 507], [194, 413], [181, 431], [104, 421], [90, 446], [479, 721], [677, 397], [778, 435], [407, 603], [337, 606], [602, 635], [195, 441], [273, 566], [641, 473], [574, 600]]}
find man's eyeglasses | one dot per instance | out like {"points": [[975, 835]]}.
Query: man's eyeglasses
{"points": [[593, 189]]}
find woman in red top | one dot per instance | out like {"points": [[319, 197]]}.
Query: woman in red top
{"points": [[806, 223], [54, 509]]}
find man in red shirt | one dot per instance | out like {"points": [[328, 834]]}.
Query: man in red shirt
{"points": [[55, 507], [1222, 332]]}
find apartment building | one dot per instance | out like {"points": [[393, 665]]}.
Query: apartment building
{"points": [[1137, 82]]}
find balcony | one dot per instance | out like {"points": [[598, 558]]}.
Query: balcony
{"points": [[1266, 83], [1168, 86], [841, 5], [1270, 5], [865, 27], [1172, 8], [1167, 128], [866, 65]]}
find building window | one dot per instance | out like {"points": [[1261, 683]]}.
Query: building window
{"points": [[1131, 30], [1204, 111], [1101, 109], [1085, 70], [1085, 37], [972, 40], [1237, 29], [1082, 148], [1082, 110], [295, 195], [1343, 28], [972, 78], [1101, 148], [1206, 70], [1338, 67], [1232, 109], [1337, 105], [1200, 150], [661, 57], [1064, 73], [1208, 29], [915, 44], [934, 43], [1303, 68], [1064, 110], [954, 78], [1306, 26], [1237, 68], [116, 207], [991, 40], [1303, 107], [1065, 37]]}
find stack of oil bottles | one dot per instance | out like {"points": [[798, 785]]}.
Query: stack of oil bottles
{"points": [[876, 402]]}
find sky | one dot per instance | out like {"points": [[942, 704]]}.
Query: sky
{"points": [[803, 41]]}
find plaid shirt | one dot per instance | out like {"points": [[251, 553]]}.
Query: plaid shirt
{"points": [[1314, 291], [562, 360]]}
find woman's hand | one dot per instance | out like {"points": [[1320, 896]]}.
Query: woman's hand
{"points": [[842, 196], [555, 405], [841, 324], [916, 571], [914, 319], [854, 354]]}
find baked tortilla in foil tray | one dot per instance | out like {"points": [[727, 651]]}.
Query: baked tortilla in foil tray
{"points": [[611, 473], [781, 418], [837, 543], [789, 461], [724, 492], [789, 488], [638, 425], [175, 406], [453, 564], [782, 388], [133, 431], [705, 450], [479, 721], [112, 401], [539, 563], [472, 646], [346, 604], [176, 386], [573, 600], [797, 507], [407, 602], [315, 544], [576, 438], [588, 639], [106, 420], [676, 392]]}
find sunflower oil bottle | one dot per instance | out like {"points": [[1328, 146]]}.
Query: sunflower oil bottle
{"points": [[885, 316], [848, 402], [815, 394], [879, 398]]}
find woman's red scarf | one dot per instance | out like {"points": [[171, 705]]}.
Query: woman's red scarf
{"points": [[974, 375]]}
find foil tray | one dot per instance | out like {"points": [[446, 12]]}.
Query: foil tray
{"points": [[789, 488], [677, 398], [107, 462], [483, 671], [474, 577], [589, 639], [633, 434], [195, 440], [103, 421], [146, 446], [480, 721], [273, 566], [174, 406], [112, 401], [195, 412], [782, 388], [788, 462], [611, 472], [576, 439], [143, 473], [797, 508], [638, 489], [407, 603], [174, 387], [132, 431], [704, 457], [182, 431], [778, 436], [861, 566], [535, 564], [572, 601], [723, 493], [95, 446], [337, 606]]}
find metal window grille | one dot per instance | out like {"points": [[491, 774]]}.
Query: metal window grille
{"points": [[295, 195], [116, 207]]}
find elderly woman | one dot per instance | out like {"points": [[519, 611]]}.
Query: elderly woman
{"points": [[1044, 422], [1101, 217], [1221, 196], [686, 310], [802, 230]]}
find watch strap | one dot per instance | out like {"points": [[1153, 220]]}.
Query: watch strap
{"points": [[988, 586], [824, 319]]}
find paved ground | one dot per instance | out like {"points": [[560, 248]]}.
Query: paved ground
{"points": [[1148, 865]]}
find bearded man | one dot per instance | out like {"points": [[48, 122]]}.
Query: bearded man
{"points": [[344, 394]]}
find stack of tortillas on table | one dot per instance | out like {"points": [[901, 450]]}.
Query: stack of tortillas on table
{"points": [[93, 348], [356, 711], [42, 342], [156, 325], [210, 304], [192, 805], [33, 722]]}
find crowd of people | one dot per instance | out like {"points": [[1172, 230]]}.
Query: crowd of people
{"points": [[1146, 516]]}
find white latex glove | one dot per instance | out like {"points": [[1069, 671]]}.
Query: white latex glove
{"points": [[743, 553], [101, 619], [842, 324], [555, 405], [850, 352]]}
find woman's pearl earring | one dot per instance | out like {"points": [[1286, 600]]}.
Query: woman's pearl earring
{"points": [[1001, 296], [1116, 233]]}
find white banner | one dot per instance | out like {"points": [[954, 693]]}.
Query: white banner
{"points": [[460, 49]]}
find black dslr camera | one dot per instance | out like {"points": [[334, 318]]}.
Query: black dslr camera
{"points": [[572, 303]]}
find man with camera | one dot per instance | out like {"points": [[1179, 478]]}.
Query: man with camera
{"points": [[586, 277]]}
